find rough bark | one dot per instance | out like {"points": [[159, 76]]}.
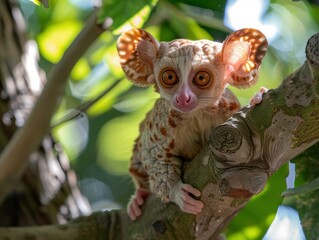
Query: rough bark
{"points": [[43, 189], [235, 165]]}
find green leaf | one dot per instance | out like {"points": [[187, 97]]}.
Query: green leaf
{"points": [[54, 40], [81, 70], [126, 14], [42, 3], [116, 140], [216, 6]]}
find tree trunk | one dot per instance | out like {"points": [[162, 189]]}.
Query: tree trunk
{"points": [[47, 191]]}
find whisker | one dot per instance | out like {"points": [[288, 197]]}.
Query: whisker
{"points": [[205, 109], [207, 101], [151, 101], [143, 100]]}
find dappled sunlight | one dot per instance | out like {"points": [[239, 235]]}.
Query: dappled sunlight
{"points": [[243, 14], [115, 143], [52, 45]]}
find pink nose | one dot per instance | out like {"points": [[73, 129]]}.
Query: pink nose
{"points": [[183, 100]]}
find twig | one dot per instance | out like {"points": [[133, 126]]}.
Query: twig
{"points": [[314, 185], [74, 113]]}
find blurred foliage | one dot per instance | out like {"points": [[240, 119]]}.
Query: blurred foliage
{"points": [[126, 14], [99, 143], [307, 203], [43, 3]]}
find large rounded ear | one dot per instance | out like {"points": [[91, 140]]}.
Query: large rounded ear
{"points": [[242, 54], [137, 49]]}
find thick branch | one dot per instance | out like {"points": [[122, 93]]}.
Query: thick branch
{"points": [[235, 165], [27, 139], [102, 225]]}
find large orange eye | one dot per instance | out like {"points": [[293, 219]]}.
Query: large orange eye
{"points": [[201, 79], [169, 77]]}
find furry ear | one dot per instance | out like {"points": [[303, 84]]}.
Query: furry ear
{"points": [[242, 53], [137, 49]]}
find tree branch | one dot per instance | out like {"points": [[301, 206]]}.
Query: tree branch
{"points": [[101, 225], [13, 159]]}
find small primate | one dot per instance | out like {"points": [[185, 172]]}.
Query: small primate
{"points": [[191, 78]]}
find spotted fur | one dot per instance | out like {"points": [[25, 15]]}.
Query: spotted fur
{"points": [[174, 137], [170, 135]]}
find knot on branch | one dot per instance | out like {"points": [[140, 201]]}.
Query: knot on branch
{"points": [[160, 226], [228, 190], [232, 143], [227, 139], [312, 50]]}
